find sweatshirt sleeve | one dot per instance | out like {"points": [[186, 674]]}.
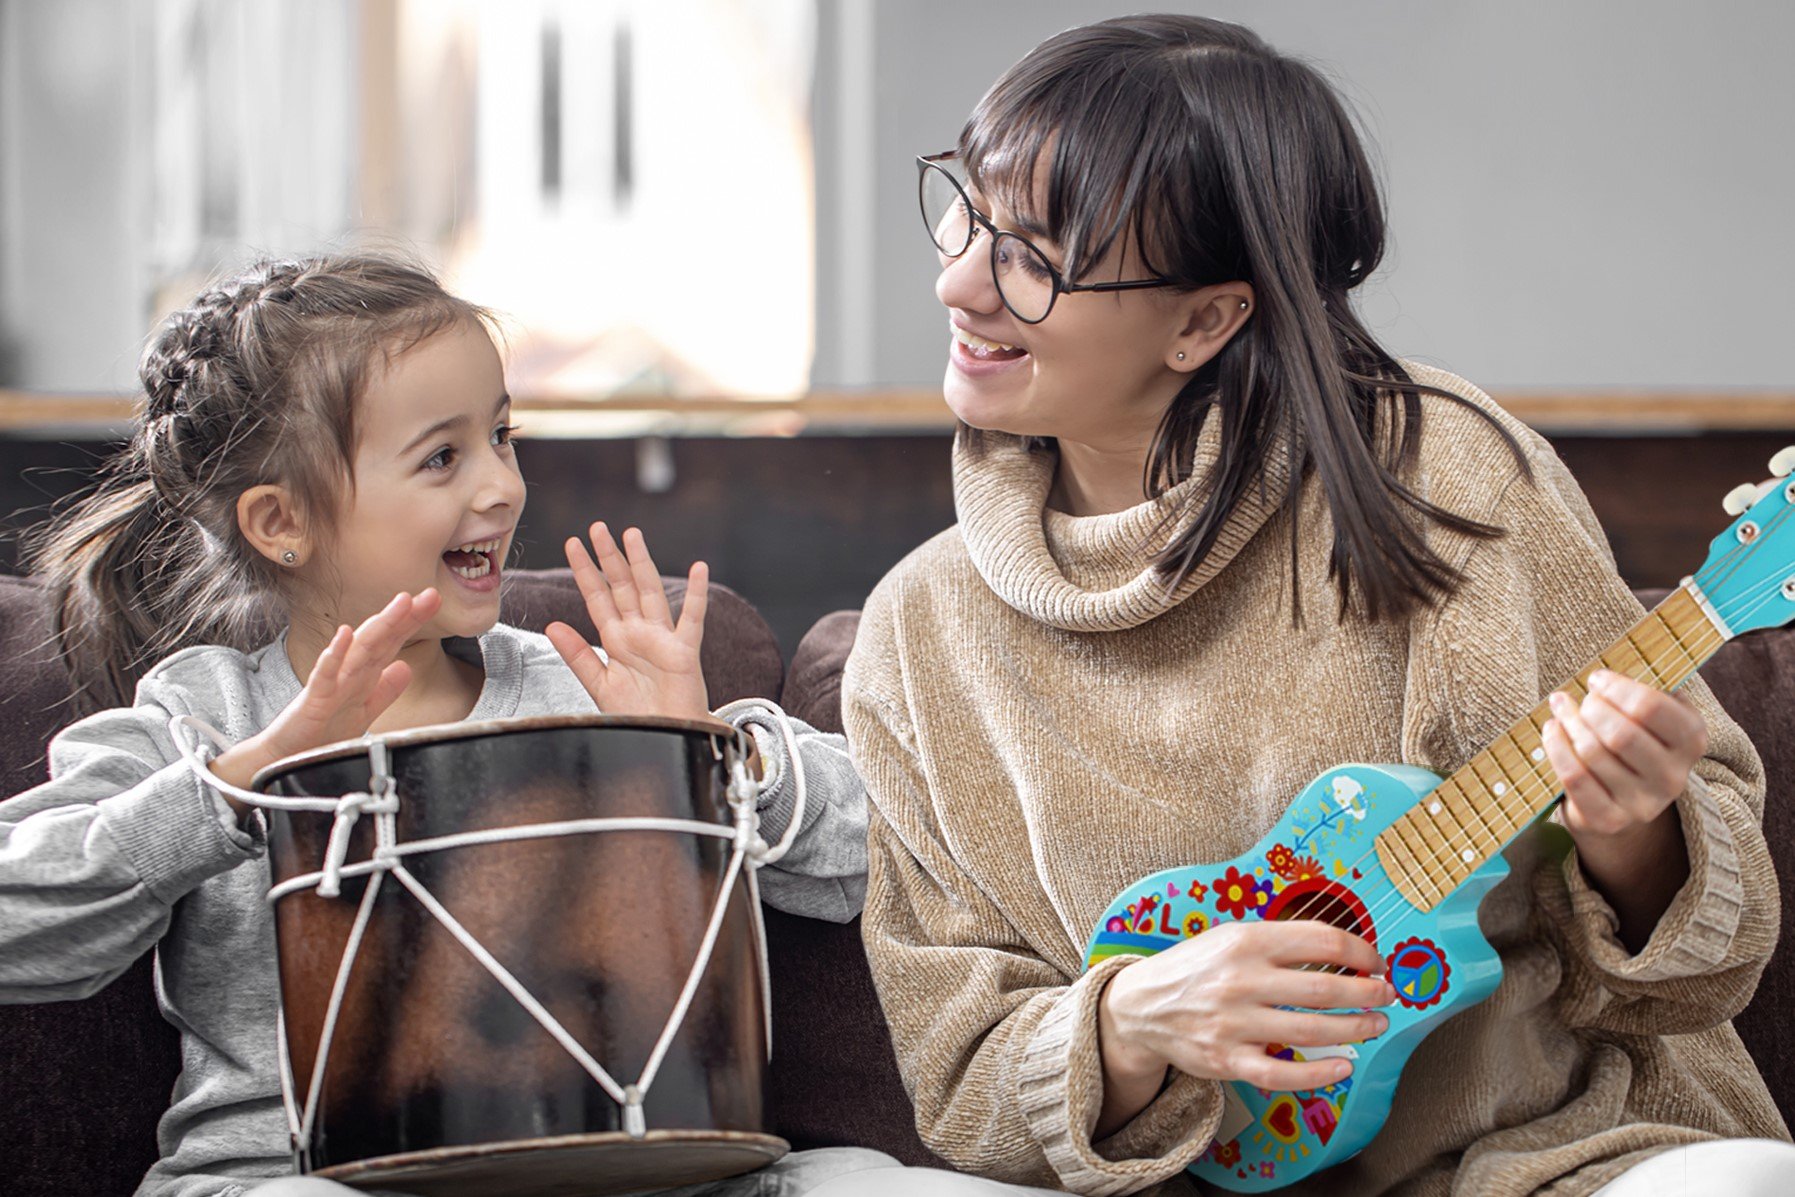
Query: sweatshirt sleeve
{"points": [[1536, 606], [93, 861], [823, 876], [997, 1047]]}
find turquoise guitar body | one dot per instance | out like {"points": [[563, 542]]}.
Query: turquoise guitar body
{"points": [[1319, 863]]}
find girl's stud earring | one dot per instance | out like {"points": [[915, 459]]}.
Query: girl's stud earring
{"points": [[1243, 305], [289, 558], [1181, 355]]}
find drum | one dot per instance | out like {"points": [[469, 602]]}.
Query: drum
{"points": [[521, 956]]}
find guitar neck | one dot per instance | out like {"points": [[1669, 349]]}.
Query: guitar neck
{"points": [[1475, 812]]}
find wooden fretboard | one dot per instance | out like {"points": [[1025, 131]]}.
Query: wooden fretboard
{"points": [[1475, 812]]}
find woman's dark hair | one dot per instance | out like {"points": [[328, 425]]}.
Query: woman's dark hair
{"points": [[255, 382], [1223, 160]]}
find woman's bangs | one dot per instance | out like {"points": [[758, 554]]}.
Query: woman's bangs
{"points": [[1073, 165]]}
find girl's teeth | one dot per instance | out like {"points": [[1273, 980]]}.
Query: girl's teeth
{"points": [[471, 572], [484, 546]]}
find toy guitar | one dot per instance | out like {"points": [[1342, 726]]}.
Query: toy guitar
{"points": [[1403, 858]]}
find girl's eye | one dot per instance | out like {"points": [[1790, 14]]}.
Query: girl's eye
{"points": [[503, 434], [441, 459]]}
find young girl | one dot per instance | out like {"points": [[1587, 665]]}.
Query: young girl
{"points": [[328, 439], [1214, 539]]}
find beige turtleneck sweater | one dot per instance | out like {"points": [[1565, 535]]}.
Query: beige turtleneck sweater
{"points": [[1039, 726]]}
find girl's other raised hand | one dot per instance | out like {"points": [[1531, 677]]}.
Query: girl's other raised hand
{"points": [[356, 678], [650, 663]]}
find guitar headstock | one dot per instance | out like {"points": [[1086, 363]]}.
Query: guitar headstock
{"points": [[1749, 576]]}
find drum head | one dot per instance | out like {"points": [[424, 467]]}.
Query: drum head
{"points": [[567, 1166]]}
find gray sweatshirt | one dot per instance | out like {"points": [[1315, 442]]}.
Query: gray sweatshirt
{"points": [[123, 850]]}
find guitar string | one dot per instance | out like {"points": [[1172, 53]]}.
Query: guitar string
{"points": [[1396, 902], [1709, 640], [1733, 557], [1546, 786], [1464, 835], [1738, 608]]}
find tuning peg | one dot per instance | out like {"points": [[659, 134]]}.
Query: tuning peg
{"points": [[1784, 462], [1740, 497]]}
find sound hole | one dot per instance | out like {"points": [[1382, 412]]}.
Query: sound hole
{"points": [[1323, 901]]}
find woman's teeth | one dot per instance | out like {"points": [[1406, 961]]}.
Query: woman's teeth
{"points": [[979, 347]]}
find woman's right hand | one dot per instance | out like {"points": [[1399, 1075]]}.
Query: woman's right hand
{"points": [[355, 679], [1210, 1005]]}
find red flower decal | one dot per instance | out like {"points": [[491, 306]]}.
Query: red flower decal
{"points": [[1237, 892], [1226, 1154]]}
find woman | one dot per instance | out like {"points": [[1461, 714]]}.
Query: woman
{"points": [[1214, 539]]}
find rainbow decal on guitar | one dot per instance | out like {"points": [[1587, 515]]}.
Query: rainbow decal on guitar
{"points": [[1403, 858], [1320, 862]]}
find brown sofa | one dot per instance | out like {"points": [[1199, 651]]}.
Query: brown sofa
{"points": [[83, 1083]]}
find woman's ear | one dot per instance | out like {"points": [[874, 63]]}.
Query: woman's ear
{"points": [[270, 519], [1212, 315]]}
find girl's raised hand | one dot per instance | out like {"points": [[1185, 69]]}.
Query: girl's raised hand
{"points": [[650, 663], [355, 679]]}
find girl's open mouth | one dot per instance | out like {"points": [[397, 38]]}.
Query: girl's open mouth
{"points": [[474, 561]]}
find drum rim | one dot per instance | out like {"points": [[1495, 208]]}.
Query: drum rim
{"points": [[443, 733], [400, 1165]]}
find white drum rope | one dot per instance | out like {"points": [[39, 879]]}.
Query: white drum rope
{"points": [[382, 801]]}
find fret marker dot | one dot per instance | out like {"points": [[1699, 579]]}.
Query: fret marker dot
{"points": [[1501, 788], [1468, 855], [1433, 808], [1538, 754]]}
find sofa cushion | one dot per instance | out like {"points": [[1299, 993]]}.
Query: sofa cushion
{"points": [[85, 1082], [834, 1078], [1754, 679]]}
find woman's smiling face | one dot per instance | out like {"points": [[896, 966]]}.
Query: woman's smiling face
{"points": [[1100, 369], [437, 491]]}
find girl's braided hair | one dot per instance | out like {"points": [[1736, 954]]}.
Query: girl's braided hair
{"points": [[255, 382]]}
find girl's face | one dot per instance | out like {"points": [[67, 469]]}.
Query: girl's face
{"points": [[1100, 370], [437, 491]]}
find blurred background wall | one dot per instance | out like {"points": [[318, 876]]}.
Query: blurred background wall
{"points": [[699, 218], [1584, 194]]}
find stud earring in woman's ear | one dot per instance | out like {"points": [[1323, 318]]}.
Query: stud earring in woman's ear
{"points": [[289, 558], [1181, 355]]}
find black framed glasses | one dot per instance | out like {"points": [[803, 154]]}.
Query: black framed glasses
{"points": [[1026, 281]]}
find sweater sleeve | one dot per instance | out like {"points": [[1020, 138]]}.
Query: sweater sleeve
{"points": [[1535, 607], [93, 861], [997, 1047], [823, 876]]}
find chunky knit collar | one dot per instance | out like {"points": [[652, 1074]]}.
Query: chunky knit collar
{"points": [[1091, 573]]}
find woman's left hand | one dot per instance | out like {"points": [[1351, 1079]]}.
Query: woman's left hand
{"points": [[650, 663], [1623, 756]]}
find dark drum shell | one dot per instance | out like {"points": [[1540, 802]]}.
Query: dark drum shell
{"points": [[436, 1075]]}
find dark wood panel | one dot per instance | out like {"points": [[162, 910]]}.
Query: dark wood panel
{"points": [[806, 525]]}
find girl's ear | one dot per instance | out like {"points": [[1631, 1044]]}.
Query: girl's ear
{"points": [[1212, 315], [270, 519]]}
